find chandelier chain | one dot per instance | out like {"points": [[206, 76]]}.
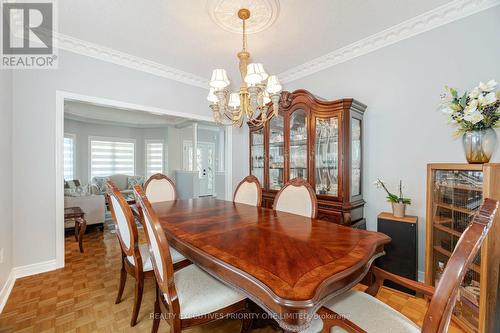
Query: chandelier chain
{"points": [[244, 36]]}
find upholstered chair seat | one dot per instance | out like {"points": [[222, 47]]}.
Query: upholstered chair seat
{"points": [[356, 305], [248, 192], [146, 257], [297, 197], [200, 294]]}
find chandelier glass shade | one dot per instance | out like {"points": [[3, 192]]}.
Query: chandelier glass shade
{"points": [[257, 90]]}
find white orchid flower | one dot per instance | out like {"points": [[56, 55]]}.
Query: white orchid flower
{"points": [[471, 107], [447, 110], [474, 93], [488, 86], [488, 99], [474, 117]]}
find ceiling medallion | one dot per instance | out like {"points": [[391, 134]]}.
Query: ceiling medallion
{"points": [[223, 13], [257, 93]]}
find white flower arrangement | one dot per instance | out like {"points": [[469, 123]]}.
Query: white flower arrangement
{"points": [[474, 110]]}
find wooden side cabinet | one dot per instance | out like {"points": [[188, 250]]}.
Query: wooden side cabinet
{"points": [[454, 193], [320, 141], [401, 256]]}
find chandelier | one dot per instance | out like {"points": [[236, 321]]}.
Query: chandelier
{"points": [[257, 90]]}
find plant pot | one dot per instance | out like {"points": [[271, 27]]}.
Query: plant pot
{"points": [[479, 145], [398, 209]]}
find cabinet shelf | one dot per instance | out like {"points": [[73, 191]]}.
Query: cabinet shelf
{"points": [[456, 208], [447, 253], [447, 230], [462, 187]]}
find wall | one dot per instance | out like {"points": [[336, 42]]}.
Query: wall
{"points": [[401, 85], [6, 172], [34, 130], [84, 130]]}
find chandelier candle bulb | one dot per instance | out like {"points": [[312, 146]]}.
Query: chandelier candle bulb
{"points": [[211, 96], [234, 100], [256, 90]]}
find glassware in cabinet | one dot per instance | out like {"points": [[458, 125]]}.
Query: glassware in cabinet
{"points": [[257, 154], [355, 157], [276, 152], [298, 144], [326, 156]]}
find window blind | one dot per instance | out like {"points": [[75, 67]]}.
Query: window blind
{"points": [[69, 152], [154, 157], [109, 157]]}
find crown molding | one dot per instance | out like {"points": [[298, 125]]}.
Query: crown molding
{"points": [[103, 53], [435, 18]]}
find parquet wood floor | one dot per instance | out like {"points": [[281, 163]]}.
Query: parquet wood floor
{"points": [[80, 297]]}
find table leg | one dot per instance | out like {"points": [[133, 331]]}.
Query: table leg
{"points": [[82, 226], [77, 229]]}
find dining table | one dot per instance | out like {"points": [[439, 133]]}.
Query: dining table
{"points": [[287, 264]]}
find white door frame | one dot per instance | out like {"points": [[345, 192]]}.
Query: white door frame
{"points": [[63, 96]]}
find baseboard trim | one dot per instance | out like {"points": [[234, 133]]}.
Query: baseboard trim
{"points": [[23, 271], [6, 289], [40, 267]]}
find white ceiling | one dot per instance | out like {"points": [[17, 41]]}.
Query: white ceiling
{"points": [[180, 33]]}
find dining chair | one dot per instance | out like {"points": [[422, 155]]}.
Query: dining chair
{"points": [[248, 192], [135, 257], [189, 296], [160, 188], [297, 197], [360, 312]]}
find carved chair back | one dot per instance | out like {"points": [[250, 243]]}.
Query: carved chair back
{"points": [[248, 192], [159, 250], [124, 223], [437, 318], [160, 188], [297, 197]]}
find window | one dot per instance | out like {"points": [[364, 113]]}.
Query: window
{"points": [[111, 156], [154, 157], [69, 156]]}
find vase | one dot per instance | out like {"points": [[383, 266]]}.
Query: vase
{"points": [[479, 145], [398, 209]]}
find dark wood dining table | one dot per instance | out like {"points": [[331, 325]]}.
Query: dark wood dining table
{"points": [[287, 264]]}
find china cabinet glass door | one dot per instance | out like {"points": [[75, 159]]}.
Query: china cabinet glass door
{"points": [[326, 148], [257, 154], [298, 144], [276, 152], [355, 157]]}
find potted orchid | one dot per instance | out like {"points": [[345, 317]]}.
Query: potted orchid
{"points": [[476, 113], [398, 201]]}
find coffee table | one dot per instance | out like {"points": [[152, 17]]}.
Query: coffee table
{"points": [[77, 214]]}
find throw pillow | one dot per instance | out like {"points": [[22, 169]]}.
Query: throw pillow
{"points": [[100, 182], [134, 180], [71, 183]]}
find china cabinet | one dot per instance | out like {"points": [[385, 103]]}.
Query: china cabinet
{"points": [[320, 141], [454, 193]]}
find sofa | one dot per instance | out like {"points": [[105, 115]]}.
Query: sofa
{"points": [[123, 182], [92, 205]]}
